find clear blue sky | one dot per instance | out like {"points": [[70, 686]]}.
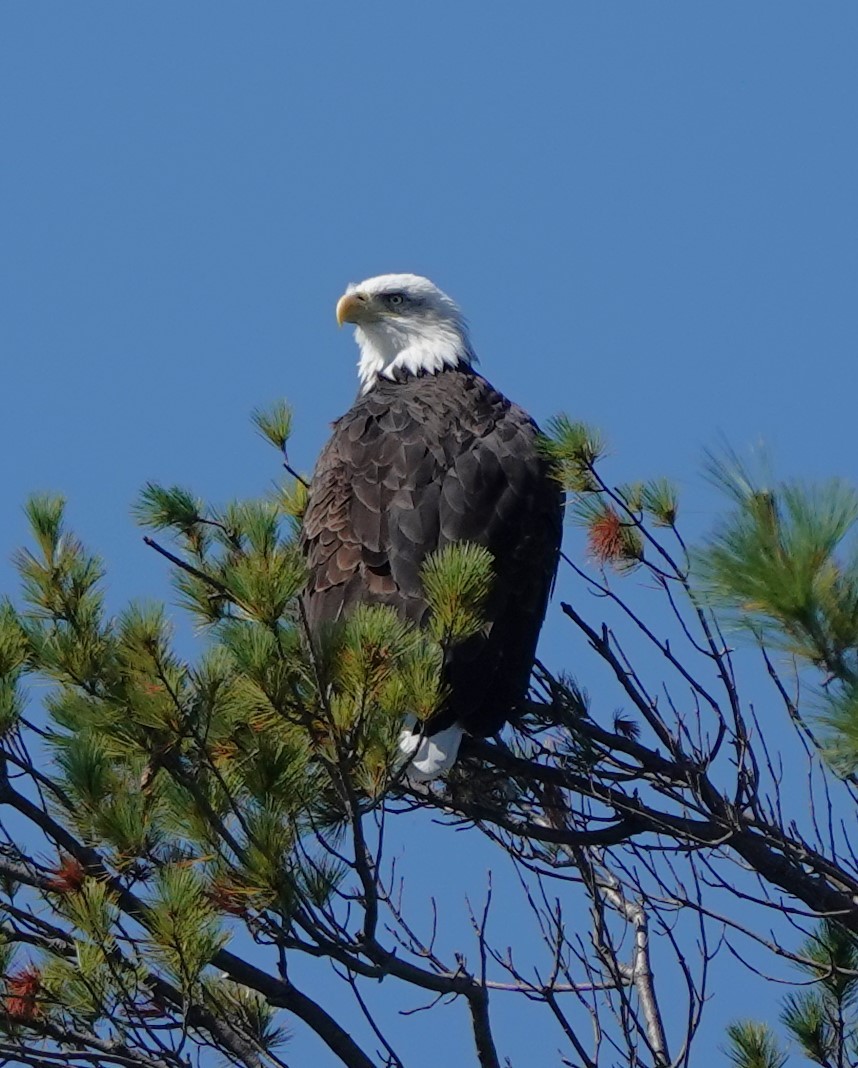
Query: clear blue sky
{"points": [[647, 211]]}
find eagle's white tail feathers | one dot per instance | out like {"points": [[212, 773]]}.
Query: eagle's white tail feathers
{"points": [[429, 757]]}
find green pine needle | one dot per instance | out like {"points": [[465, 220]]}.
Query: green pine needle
{"points": [[660, 499], [13, 641], [804, 1016], [753, 1045], [632, 494], [184, 927], [93, 910], [291, 499], [14, 652], [125, 822], [45, 513], [87, 770], [574, 448], [11, 705], [247, 1010], [266, 856], [834, 950], [170, 507], [274, 423], [266, 585], [781, 559], [457, 581]]}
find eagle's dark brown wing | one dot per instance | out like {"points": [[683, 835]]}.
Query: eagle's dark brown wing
{"points": [[412, 467]]}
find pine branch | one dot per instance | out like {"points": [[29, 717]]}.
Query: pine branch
{"points": [[215, 584]]}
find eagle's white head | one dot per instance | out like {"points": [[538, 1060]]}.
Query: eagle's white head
{"points": [[404, 322]]}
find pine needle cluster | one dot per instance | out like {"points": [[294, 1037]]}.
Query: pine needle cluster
{"points": [[614, 517], [210, 786], [821, 1019], [785, 563]]}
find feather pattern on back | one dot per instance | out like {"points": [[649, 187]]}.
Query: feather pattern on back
{"points": [[416, 464]]}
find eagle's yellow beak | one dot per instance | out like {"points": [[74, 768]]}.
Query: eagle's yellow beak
{"points": [[350, 308]]}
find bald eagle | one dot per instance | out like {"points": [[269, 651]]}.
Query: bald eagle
{"points": [[430, 454]]}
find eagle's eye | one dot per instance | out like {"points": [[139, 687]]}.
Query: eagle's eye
{"points": [[395, 299]]}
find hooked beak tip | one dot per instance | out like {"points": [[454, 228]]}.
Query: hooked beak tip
{"points": [[348, 309]]}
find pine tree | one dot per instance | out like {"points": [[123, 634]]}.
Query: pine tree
{"points": [[182, 830]]}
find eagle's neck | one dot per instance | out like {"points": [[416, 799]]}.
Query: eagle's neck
{"points": [[391, 348]]}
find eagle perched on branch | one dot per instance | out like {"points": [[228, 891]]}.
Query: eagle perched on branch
{"points": [[428, 455]]}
